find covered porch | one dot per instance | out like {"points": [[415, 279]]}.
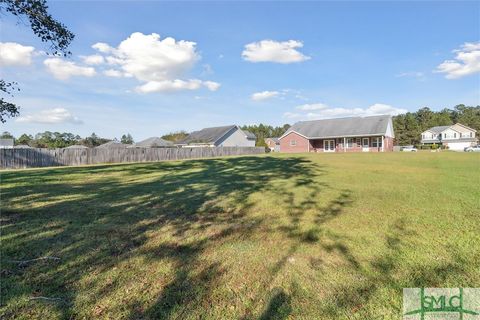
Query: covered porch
{"points": [[348, 144]]}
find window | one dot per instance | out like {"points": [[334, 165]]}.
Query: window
{"points": [[454, 134], [358, 143], [471, 134], [377, 142], [423, 136], [365, 142], [349, 142], [293, 143]]}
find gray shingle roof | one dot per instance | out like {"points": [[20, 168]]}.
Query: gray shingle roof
{"points": [[7, 142], [77, 146], [112, 145], [342, 127], [276, 140], [207, 135], [250, 135], [438, 129], [153, 142]]}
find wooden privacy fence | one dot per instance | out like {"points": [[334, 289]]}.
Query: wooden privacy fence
{"points": [[34, 158]]}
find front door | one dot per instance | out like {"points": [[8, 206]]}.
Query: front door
{"points": [[329, 145], [365, 145]]}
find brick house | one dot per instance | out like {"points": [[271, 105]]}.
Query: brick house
{"points": [[354, 134], [273, 144]]}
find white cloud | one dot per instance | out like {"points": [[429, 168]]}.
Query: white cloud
{"points": [[466, 62], [102, 47], [63, 70], [211, 85], [176, 85], [325, 112], [312, 106], [50, 116], [274, 51], [113, 73], [159, 63], [411, 74], [14, 54], [264, 95], [93, 59]]}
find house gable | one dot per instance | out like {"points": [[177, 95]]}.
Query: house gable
{"points": [[463, 129], [389, 132], [235, 138], [294, 142]]}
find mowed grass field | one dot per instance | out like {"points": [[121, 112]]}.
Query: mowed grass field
{"points": [[314, 236]]}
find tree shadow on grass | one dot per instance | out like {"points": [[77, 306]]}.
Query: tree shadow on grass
{"points": [[96, 223], [381, 274], [279, 306], [303, 209]]}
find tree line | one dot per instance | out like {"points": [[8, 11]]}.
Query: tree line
{"points": [[263, 131], [53, 140], [408, 127]]}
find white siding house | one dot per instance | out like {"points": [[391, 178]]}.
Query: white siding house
{"points": [[456, 137], [226, 136]]}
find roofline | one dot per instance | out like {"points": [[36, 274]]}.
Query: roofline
{"points": [[341, 118], [223, 135], [288, 132], [450, 127], [330, 137], [466, 127]]}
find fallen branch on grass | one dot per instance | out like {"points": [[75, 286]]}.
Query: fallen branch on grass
{"points": [[47, 299], [23, 262]]}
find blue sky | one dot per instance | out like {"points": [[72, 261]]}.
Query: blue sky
{"points": [[239, 63]]}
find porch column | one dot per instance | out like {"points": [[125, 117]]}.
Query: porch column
{"points": [[344, 144], [383, 142]]}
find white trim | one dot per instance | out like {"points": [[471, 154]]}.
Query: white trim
{"points": [[288, 132], [367, 148], [324, 143], [462, 125], [331, 137], [377, 140], [346, 143], [223, 135]]}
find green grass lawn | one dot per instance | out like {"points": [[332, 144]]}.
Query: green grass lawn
{"points": [[315, 236]]}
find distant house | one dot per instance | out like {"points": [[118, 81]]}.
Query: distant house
{"points": [[273, 144], [455, 137], [112, 145], [22, 146], [226, 136], [76, 146], [153, 142], [354, 134], [6, 143], [250, 136]]}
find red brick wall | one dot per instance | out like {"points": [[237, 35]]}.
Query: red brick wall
{"points": [[302, 144], [388, 144]]}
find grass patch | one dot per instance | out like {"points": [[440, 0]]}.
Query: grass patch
{"points": [[315, 236]]}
